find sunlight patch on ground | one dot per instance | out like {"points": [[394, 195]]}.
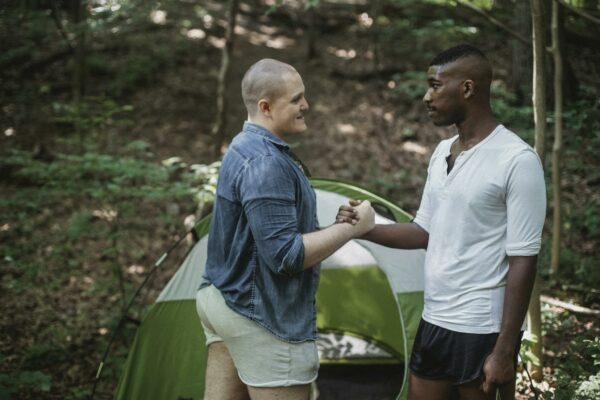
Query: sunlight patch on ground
{"points": [[159, 17], [136, 269], [105, 6], [265, 39], [9, 132], [321, 108], [194, 34], [4, 227], [345, 128], [268, 30], [342, 53], [105, 215], [414, 148], [364, 20], [219, 43], [207, 20]]}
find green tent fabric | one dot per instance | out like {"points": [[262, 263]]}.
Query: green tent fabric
{"points": [[369, 304]]}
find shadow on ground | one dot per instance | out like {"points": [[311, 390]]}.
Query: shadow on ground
{"points": [[359, 382]]}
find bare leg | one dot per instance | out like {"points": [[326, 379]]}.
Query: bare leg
{"points": [[428, 389], [507, 391], [473, 391], [298, 392], [222, 380]]}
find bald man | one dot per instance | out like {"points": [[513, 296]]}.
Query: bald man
{"points": [[480, 219], [257, 298]]}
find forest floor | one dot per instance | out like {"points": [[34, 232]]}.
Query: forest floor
{"points": [[361, 129]]}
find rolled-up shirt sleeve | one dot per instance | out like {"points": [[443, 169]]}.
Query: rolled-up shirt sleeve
{"points": [[525, 204], [268, 195]]}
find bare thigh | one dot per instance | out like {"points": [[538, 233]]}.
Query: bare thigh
{"points": [[222, 381], [297, 392], [473, 391], [429, 389]]}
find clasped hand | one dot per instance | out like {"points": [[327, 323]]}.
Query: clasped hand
{"points": [[358, 213]]}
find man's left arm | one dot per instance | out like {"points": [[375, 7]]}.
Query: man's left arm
{"points": [[499, 366], [525, 215]]}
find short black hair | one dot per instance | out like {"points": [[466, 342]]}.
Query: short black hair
{"points": [[456, 52]]}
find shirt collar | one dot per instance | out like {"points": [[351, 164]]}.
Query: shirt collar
{"points": [[255, 129]]}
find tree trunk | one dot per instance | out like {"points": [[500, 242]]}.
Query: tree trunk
{"points": [[311, 48], [591, 5], [534, 317], [570, 83], [521, 56], [79, 11], [557, 146], [218, 131], [375, 11]]}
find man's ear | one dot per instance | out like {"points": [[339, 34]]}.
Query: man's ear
{"points": [[468, 88], [264, 107]]}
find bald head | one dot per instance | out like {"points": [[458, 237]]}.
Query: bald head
{"points": [[466, 62], [265, 79]]}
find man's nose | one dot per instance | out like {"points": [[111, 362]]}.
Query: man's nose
{"points": [[427, 97], [304, 105]]}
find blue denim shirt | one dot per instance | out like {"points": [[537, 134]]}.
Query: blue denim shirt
{"points": [[264, 203]]}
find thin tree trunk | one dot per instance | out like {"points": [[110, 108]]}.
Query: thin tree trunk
{"points": [[557, 146], [375, 11], [79, 59], [311, 47], [218, 131], [534, 317], [521, 55], [539, 77]]}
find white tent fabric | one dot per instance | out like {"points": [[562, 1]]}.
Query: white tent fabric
{"points": [[398, 265]]}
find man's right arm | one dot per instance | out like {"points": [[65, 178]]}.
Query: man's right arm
{"points": [[398, 236], [321, 244]]}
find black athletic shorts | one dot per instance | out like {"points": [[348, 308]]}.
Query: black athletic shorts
{"points": [[442, 354]]}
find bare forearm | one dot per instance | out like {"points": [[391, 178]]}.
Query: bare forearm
{"points": [[321, 244], [399, 236], [521, 276]]}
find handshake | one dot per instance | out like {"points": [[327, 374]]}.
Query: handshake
{"points": [[358, 213]]}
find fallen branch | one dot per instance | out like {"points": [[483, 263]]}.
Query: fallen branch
{"points": [[569, 306]]}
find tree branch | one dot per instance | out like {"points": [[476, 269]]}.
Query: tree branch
{"points": [[494, 21], [579, 12], [59, 25]]}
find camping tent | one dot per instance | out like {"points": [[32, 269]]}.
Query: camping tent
{"points": [[369, 304]]}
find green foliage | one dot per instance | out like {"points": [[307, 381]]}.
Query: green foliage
{"points": [[526, 351], [577, 358], [92, 114], [589, 388], [594, 349], [204, 182], [36, 383], [411, 84], [96, 175], [507, 109], [43, 355]]}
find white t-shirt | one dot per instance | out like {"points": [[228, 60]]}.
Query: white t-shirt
{"points": [[492, 205]]}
